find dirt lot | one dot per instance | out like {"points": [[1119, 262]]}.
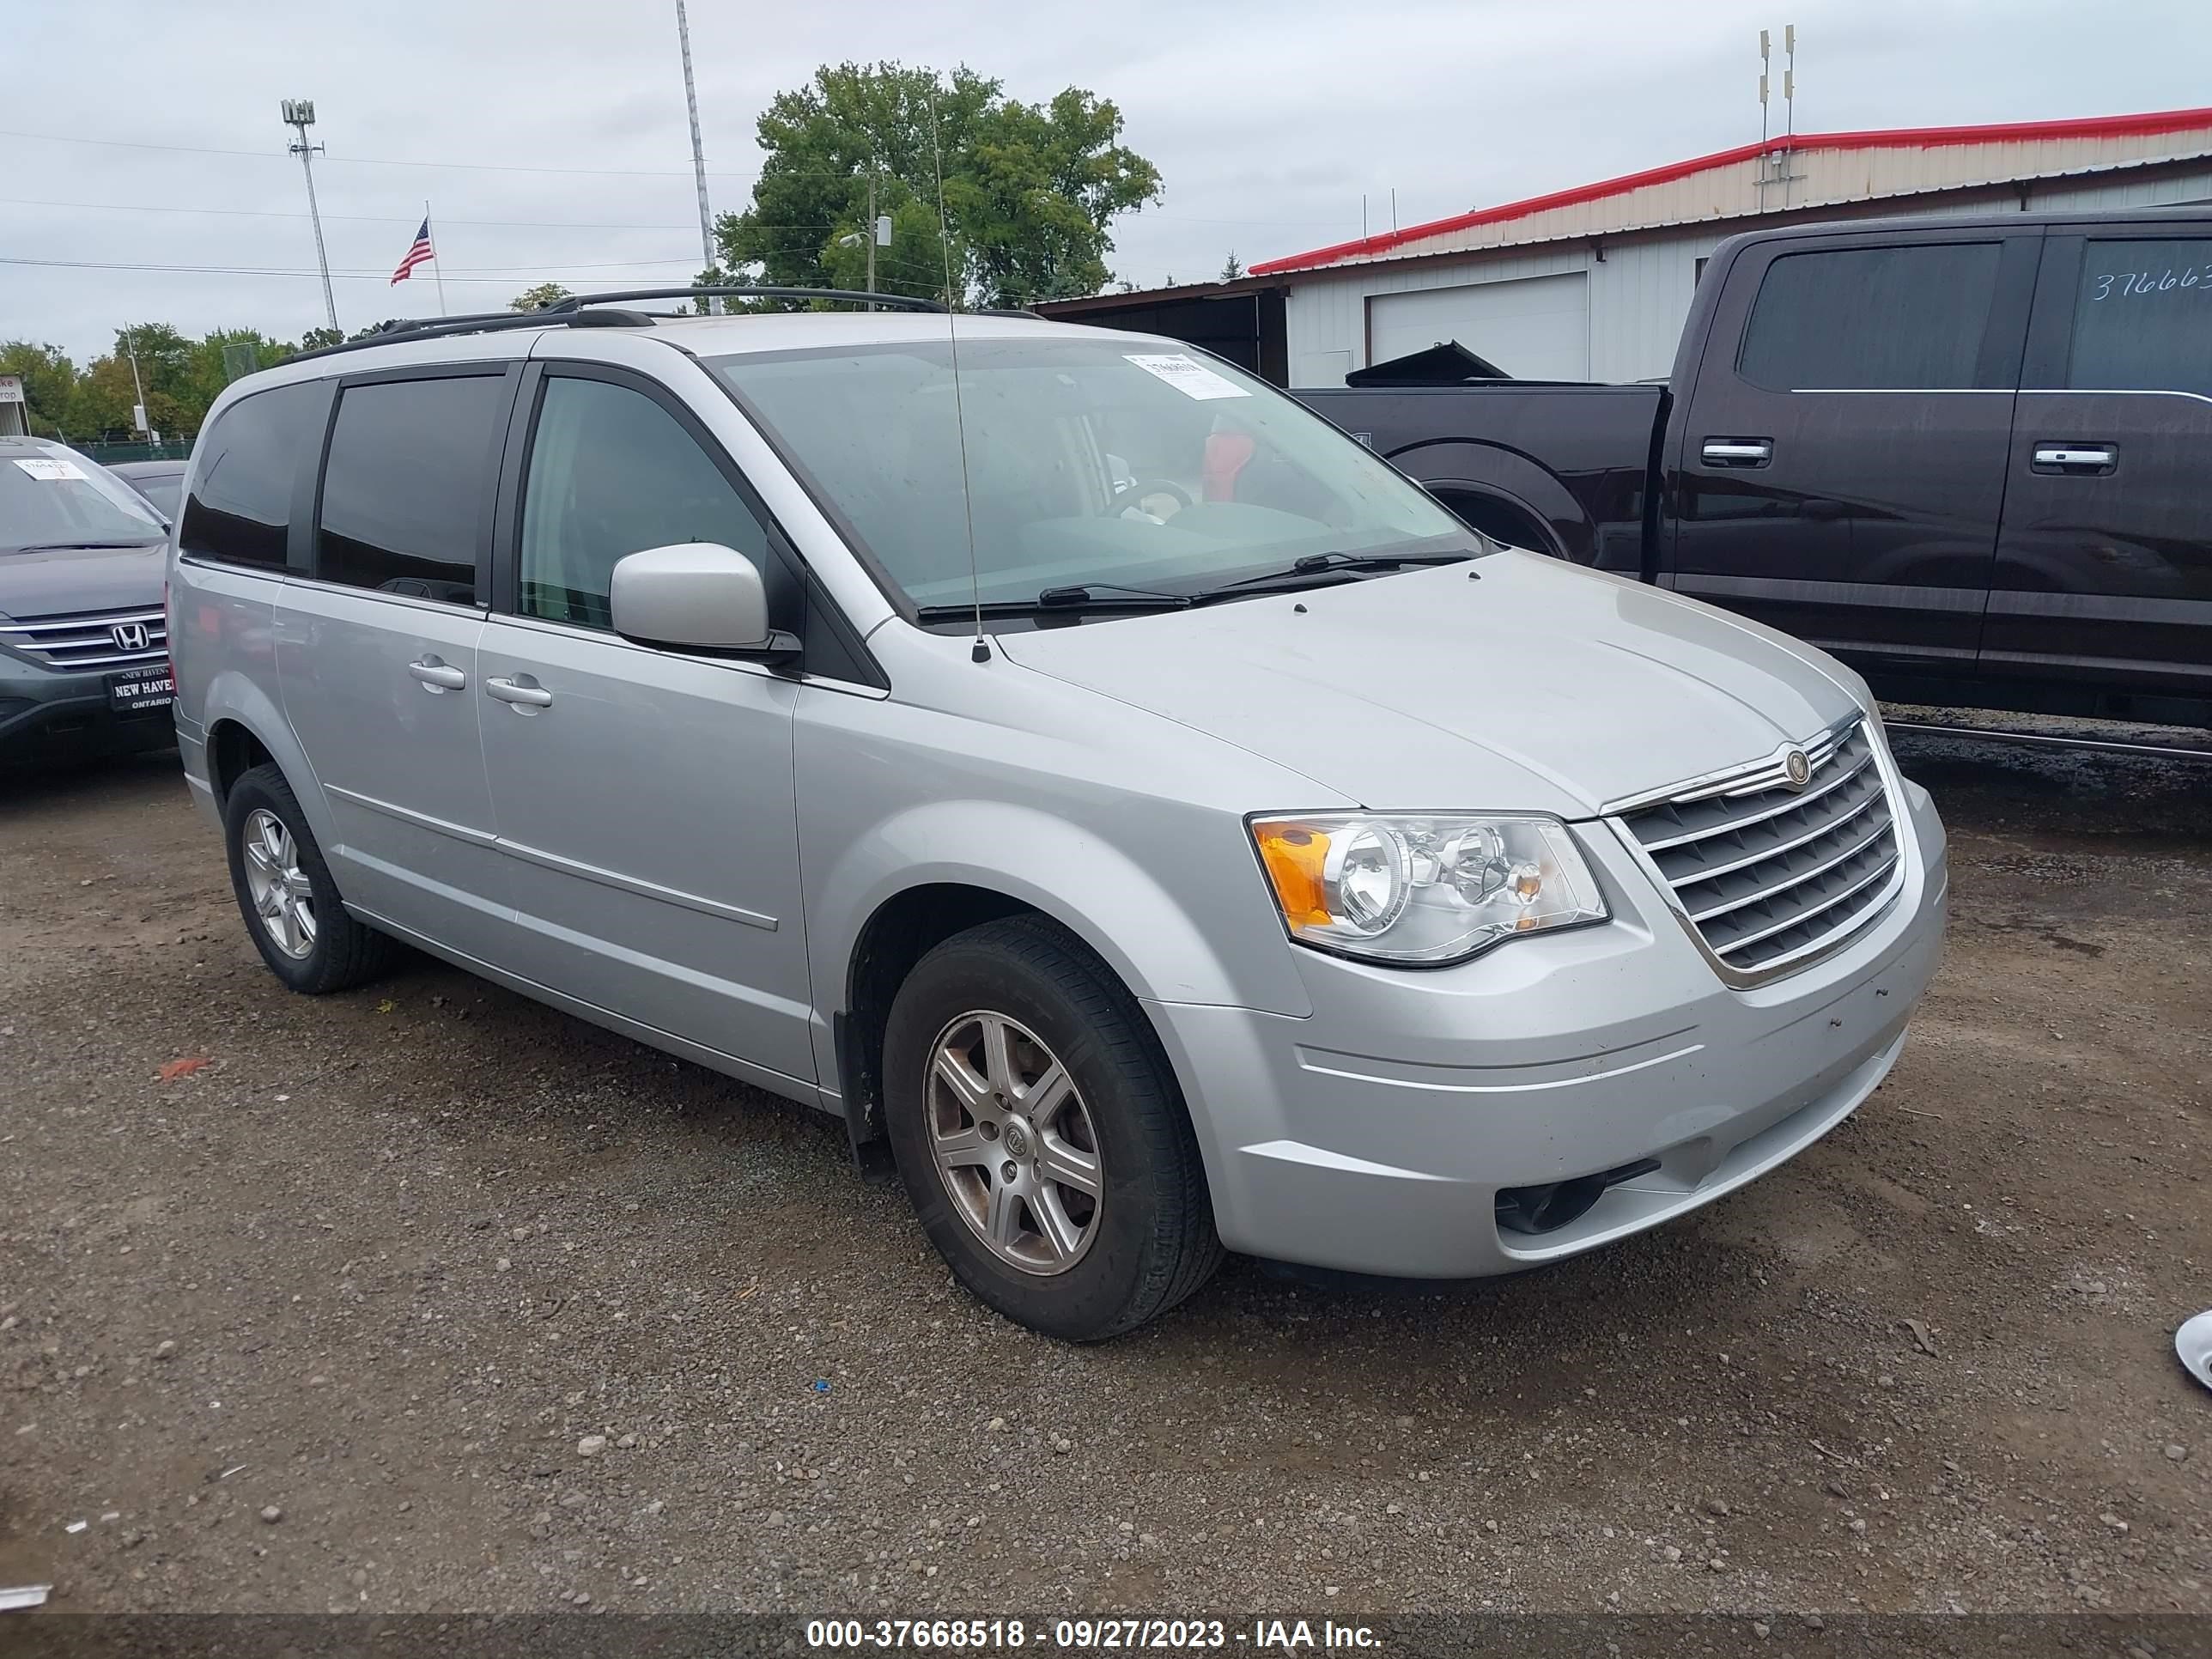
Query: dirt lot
{"points": [[326, 1324]]}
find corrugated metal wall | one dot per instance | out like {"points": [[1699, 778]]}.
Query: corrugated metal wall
{"points": [[1639, 293]]}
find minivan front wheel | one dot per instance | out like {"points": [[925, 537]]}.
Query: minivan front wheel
{"points": [[1041, 1136], [285, 892]]}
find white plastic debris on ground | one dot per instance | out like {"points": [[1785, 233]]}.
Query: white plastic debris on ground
{"points": [[2193, 1342]]}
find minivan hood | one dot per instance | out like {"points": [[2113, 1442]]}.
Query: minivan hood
{"points": [[65, 580], [1511, 683]]}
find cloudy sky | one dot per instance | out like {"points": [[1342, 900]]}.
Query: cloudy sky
{"points": [[549, 138]]}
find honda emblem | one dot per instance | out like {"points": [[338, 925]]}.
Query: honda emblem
{"points": [[131, 636]]}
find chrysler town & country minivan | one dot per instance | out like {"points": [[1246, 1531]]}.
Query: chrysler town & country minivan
{"points": [[1129, 804]]}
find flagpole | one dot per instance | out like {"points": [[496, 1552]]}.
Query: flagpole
{"points": [[436, 260]]}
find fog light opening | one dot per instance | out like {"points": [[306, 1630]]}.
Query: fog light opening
{"points": [[1556, 1204]]}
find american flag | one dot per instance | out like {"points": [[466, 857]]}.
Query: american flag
{"points": [[416, 254]]}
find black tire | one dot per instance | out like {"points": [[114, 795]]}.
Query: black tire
{"points": [[1155, 1242], [344, 953]]}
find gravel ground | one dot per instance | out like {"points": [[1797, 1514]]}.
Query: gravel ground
{"points": [[427, 1299]]}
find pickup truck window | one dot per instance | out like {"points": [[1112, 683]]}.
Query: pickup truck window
{"points": [[2143, 320], [1899, 319]]}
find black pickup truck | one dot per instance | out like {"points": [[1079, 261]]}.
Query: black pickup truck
{"points": [[1971, 456]]}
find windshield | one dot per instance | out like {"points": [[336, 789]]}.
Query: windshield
{"points": [[52, 497], [163, 489], [1089, 461]]}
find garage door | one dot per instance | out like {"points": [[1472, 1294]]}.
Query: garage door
{"points": [[1536, 328]]}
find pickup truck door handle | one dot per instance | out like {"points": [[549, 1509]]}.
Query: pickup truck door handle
{"points": [[437, 676], [2075, 458], [526, 699], [1737, 451]]}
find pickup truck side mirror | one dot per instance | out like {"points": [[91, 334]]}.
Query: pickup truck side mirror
{"points": [[702, 595]]}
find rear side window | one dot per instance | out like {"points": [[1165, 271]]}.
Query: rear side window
{"points": [[2143, 320], [240, 507], [405, 485], [1873, 319]]}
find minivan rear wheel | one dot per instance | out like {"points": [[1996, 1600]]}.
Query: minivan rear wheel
{"points": [[285, 892], [1041, 1135]]}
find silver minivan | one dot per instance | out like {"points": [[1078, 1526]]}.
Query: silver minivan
{"points": [[1149, 821]]}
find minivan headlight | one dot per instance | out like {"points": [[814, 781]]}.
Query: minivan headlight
{"points": [[1423, 888]]}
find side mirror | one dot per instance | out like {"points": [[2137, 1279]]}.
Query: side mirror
{"points": [[699, 594]]}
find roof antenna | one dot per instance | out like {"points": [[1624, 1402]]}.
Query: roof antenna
{"points": [[981, 652]]}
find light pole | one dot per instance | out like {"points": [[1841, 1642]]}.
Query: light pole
{"points": [[877, 234], [698, 153], [138, 389], [299, 115]]}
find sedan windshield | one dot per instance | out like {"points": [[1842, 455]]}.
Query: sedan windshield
{"points": [[51, 498], [1089, 463]]}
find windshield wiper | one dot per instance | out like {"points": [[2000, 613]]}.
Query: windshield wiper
{"points": [[1315, 564], [1082, 593], [1055, 601]]}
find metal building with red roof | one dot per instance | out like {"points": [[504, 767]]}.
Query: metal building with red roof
{"points": [[1593, 282]]}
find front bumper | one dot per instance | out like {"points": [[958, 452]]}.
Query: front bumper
{"points": [[49, 715], [1374, 1135]]}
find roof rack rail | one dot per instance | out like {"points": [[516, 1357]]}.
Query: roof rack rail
{"points": [[488, 322], [601, 311], [850, 296]]}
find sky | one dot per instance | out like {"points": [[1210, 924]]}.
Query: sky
{"points": [[550, 141]]}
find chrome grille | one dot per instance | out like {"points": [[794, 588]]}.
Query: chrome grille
{"points": [[1772, 875], [87, 639]]}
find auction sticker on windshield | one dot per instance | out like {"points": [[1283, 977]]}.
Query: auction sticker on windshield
{"points": [[52, 471], [1192, 379]]}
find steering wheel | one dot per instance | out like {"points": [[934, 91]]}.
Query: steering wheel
{"points": [[1127, 496]]}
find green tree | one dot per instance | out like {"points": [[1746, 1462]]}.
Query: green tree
{"points": [[164, 374], [1028, 190], [321, 339], [537, 299], [101, 399], [209, 371], [49, 382], [1232, 267]]}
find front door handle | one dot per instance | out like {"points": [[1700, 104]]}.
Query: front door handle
{"points": [[1737, 451], [524, 697], [2075, 458], [437, 676]]}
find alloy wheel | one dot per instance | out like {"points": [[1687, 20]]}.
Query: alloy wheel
{"points": [[284, 898], [1013, 1143]]}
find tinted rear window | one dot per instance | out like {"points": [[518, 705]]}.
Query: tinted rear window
{"points": [[2143, 320], [405, 485], [240, 507], [1872, 318]]}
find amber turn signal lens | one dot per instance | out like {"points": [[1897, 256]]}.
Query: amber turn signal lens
{"points": [[1294, 857]]}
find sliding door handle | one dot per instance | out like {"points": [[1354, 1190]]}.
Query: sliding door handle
{"points": [[437, 676]]}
